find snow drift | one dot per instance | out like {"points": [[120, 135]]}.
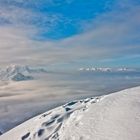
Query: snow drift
{"points": [[111, 117]]}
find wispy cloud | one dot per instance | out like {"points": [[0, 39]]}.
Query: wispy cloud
{"points": [[112, 35]]}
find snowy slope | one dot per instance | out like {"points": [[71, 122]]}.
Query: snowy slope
{"points": [[111, 117]]}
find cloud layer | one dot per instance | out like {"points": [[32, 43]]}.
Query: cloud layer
{"points": [[112, 35]]}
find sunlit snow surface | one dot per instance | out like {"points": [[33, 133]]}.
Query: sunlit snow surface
{"points": [[110, 117]]}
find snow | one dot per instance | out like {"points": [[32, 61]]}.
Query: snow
{"points": [[111, 117], [18, 73], [20, 77], [105, 69]]}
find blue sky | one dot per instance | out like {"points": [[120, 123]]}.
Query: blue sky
{"points": [[70, 33], [57, 18]]}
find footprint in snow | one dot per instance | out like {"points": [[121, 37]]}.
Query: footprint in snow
{"points": [[25, 136], [40, 132], [67, 109], [48, 123]]}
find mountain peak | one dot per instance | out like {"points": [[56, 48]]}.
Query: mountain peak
{"points": [[17, 69], [19, 72]]}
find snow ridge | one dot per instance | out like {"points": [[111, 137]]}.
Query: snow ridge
{"points": [[115, 117], [47, 125]]}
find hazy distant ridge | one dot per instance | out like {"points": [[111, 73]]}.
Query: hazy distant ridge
{"points": [[107, 69]]}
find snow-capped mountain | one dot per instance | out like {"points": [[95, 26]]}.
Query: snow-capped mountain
{"points": [[20, 77], [93, 69], [18, 73], [111, 117]]}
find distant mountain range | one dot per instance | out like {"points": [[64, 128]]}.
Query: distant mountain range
{"points": [[19, 73], [93, 69]]}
